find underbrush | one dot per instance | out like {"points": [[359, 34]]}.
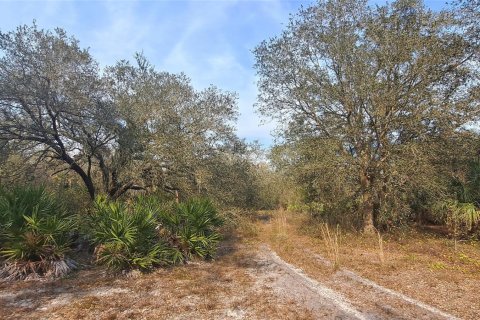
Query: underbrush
{"points": [[40, 236], [126, 237], [147, 233], [36, 234], [388, 249], [343, 214], [242, 222]]}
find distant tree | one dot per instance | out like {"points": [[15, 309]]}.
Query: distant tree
{"points": [[377, 91]]}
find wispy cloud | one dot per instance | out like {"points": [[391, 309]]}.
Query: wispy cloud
{"points": [[210, 41]]}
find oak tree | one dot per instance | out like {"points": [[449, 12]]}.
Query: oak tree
{"points": [[376, 90]]}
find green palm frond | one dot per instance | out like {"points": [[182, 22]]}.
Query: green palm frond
{"points": [[36, 233], [192, 228], [126, 237], [458, 214], [147, 233]]}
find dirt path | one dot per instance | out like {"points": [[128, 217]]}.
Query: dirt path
{"points": [[405, 285], [387, 294], [365, 298], [253, 283], [241, 284], [292, 283]]}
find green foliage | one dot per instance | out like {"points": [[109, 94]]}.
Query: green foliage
{"points": [[460, 212], [313, 208], [192, 228], [435, 266], [35, 234], [126, 236], [467, 190], [147, 233], [130, 126], [356, 128], [459, 217]]}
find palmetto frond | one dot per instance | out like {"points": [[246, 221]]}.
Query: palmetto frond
{"points": [[36, 233], [126, 237]]}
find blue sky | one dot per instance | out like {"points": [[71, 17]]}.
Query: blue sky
{"points": [[210, 41]]}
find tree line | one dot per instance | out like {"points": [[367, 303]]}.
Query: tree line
{"points": [[377, 106], [114, 129]]}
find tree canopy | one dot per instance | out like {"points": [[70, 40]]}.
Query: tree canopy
{"points": [[371, 95], [124, 127]]}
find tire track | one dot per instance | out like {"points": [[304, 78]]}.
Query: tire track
{"points": [[365, 303], [369, 283]]}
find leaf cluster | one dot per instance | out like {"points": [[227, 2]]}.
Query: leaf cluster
{"points": [[146, 233], [36, 233]]}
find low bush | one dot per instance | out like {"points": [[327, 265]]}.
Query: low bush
{"points": [[35, 234], [460, 218], [127, 237], [147, 232], [315, 209], [192, 228]]}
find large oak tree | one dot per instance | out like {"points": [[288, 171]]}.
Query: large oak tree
{"points": [[376, 88]]}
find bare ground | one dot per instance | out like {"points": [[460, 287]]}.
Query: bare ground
{"points": [[274, 272]]}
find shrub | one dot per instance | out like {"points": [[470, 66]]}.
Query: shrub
{"points": [[146, 232], [126, 237], [315, 209], [36, 233], [191, 227], [460, 217]]}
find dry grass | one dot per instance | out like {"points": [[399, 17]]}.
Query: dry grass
{"points": [[381, 253], [234, 287], [280, 225], [417, 265], [330, 239]]}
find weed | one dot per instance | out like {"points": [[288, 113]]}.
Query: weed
{"points": [[437, 266], [412, 257], [330, 239], [381, 253], [281, 224]]}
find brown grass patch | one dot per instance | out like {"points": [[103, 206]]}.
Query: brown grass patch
{"points": [[412, 263]]}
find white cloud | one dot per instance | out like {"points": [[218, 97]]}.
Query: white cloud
{"points": [[122, 34], [210, 41]]}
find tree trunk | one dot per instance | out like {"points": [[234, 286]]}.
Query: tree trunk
{"points": [[367, 207], [90, 187], [87, 180]]}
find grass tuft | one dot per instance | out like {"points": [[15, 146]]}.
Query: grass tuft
{"points": [[330, 239]]}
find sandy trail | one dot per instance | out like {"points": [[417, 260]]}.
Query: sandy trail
{"points": [[383, 290], [292, 283], [345, 295]]}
